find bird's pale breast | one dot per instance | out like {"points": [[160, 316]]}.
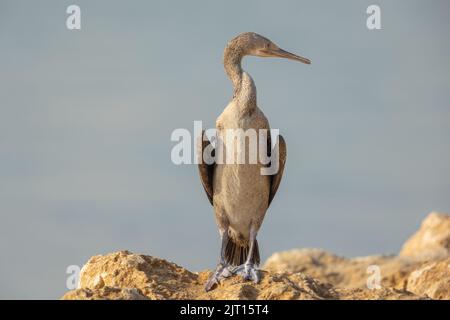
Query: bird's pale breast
{"points": [[241, 192]]}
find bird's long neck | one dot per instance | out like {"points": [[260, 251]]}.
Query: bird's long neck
{"points": [[232, 58], [243, 87]]}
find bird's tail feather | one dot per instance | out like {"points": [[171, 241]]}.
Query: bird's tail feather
{"points": [[236, 253]]}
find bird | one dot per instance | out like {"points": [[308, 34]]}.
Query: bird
{"points": [[239, 193]]}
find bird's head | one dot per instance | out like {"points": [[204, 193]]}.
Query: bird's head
{"points": [[256, 45]]}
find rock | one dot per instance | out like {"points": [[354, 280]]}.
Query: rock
{"points": [[431, 240], [343, 272], [432, 279], [314, 262], [156, 278], [124, 275], [271, 287], [377, 294], [105, 293], [420, 271], [431, 243]]}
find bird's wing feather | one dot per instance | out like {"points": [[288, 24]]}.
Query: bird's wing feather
{"points": [[206, 171], [276, 178]]}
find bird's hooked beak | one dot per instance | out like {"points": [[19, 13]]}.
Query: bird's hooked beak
{"points": [[280, 53]]}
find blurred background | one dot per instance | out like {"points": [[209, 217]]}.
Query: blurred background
{"points": [[86, 118]]}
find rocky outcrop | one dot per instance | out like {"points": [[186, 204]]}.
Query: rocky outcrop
{"points": [[105, 293], [155, 278], [432, 280], [421, 271], [419, 268], [343, 272], [431, 240], [124, 275]]}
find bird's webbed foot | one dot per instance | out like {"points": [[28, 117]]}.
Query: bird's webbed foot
{"points": [[248, 271], [222, 272]]}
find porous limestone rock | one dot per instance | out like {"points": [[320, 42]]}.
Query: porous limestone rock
{"points": [[431, 240], [432, 280], [124, 275]]}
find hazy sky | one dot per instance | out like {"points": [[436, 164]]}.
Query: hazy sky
{"points": [[86, 118]]}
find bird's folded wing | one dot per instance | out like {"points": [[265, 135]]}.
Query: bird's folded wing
{"points": [[206, 171], [282, 153]]}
